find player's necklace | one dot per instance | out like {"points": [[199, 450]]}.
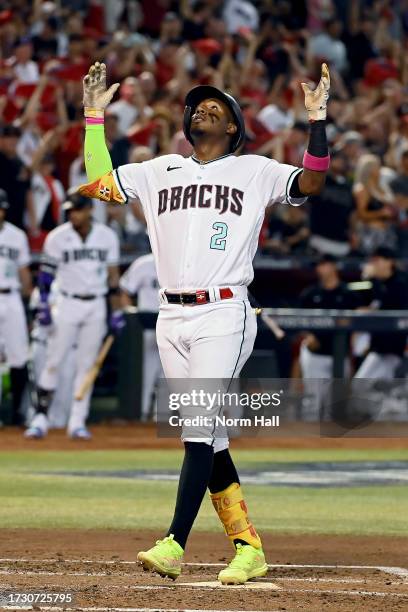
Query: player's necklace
{"points": [[209, 161]]}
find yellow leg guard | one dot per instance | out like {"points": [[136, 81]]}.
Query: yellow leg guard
{"points": [[231, 508]]}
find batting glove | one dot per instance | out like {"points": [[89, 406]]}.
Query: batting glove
{"points": [[117, 321], [96, 96], [316, 99], [44, 317]]}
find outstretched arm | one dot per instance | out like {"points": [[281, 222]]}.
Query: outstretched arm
{"points": [[98, 163], [316, 159]]}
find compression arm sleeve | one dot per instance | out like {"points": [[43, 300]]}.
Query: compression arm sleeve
{"points": [[97, 158], [102, 184]]}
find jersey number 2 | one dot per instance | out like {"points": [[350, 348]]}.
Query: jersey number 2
{"points": [[218, 240]]}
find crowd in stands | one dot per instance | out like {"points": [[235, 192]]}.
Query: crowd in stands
{"points": [[259, 51]]}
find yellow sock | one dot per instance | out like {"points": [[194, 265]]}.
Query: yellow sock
{"points": [[231, 508]]}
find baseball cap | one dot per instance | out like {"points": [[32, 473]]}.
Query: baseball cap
{"points": [[326, 258], [384, 252], [76, 201], [4, 203]]}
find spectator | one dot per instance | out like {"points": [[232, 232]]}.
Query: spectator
{"points": [[15, 180], [23, 68], [288, 233], [374, 210], [327, 45], [277, 115], [130, 106], [330, 211]]}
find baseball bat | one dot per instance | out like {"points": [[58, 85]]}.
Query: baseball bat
{"points": [[93, 372], [271, 324]]}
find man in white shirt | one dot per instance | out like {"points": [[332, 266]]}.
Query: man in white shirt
{"points": [[15, 277], [83, 257]]}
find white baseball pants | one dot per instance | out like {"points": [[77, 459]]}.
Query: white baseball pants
{"points": [[13, 329], [79, 322], [206, 341], [378, 366]]}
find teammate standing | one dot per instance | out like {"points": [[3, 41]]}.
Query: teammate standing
{"points": [[15, 276], [83, 257], [204, 215], [141, 279], [316, 353], [390, 292]]}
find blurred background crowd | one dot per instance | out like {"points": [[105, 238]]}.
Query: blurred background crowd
{"points": [[260, 51]]}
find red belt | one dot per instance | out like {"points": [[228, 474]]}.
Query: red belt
{"points": [[200, 296]]}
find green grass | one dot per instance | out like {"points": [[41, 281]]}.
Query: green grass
{"points": [[31, 499]]}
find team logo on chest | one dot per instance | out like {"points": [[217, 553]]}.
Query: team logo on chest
{"points": [[219, 197], [85, 254]]}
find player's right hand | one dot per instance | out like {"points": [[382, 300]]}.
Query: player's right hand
{"points": [[44, 317], [316, 99], [96, 96]]}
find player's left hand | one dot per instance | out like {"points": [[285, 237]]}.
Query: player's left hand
{"points": [[117, 321], [316, 99]]}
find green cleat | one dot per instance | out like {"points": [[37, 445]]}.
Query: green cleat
{"points": [[164, 558], [249, 562]]}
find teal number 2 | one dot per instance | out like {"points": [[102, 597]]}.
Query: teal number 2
{"points": [[218, 239]]}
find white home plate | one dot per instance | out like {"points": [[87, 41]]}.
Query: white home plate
{"points": [[261, 586]]}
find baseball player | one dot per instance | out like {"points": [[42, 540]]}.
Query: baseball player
{"points": [[15, 279], [82, 256], [316, 353], [390, 292], [60, 405], [204, 214], [141, 279]]}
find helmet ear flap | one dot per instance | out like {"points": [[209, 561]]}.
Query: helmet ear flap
{"points": [[188, 111]]}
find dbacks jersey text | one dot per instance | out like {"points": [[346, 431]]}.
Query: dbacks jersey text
{"points": [[82, 265], [204, 220]]}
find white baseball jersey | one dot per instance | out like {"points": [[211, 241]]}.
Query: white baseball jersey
{"points": [[204, 220], [141, 278], [14, 254], [82, 265]]}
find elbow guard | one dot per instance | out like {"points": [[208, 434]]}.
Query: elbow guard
{"points": [[104, 188]]}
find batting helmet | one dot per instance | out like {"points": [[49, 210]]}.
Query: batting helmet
{"points": [[202, 92], [4, 203]]}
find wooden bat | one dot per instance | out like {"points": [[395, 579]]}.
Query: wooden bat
{"points": [[93, 372], [271, 324]]}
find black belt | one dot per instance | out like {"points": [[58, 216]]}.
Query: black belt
{"points": [[197, 297], [81, 297], [5, 291]]}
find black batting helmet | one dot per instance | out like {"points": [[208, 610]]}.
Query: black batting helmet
{"points": [[202, 92], [4, 203]]}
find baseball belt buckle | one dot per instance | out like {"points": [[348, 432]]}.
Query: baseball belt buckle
{"points": [[201, 297]]}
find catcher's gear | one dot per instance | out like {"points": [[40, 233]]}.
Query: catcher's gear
{"points": [[249, 562], [202, 92], [316, 99], [96, 96]]}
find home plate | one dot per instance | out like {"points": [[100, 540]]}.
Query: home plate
{"points": [[261, 586]]}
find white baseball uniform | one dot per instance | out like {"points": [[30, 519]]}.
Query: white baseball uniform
{"points": [[141, 279], [60, 407], [79, 312], [203, 221], [14, 254]]}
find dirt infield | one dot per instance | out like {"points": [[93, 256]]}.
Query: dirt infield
{"points": [[134, 436], [311, 573]]}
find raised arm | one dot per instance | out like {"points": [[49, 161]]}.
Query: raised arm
{"points": [[98, 163], [316, 159]]}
